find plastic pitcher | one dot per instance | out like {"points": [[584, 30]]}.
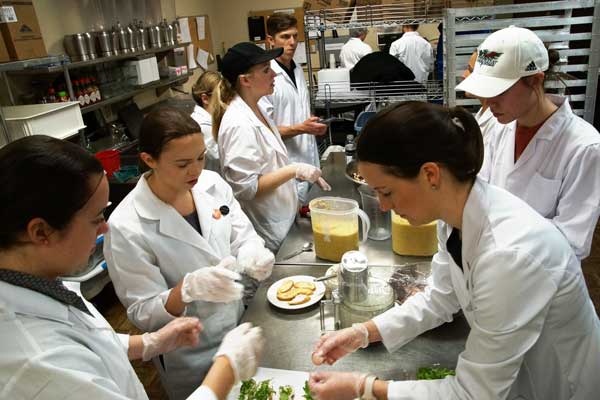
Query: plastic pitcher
{"points": [[335, 226], [380, 220]]}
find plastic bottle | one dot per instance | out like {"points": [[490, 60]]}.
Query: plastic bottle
{"points": [[350, 148], [62, 96], [96, 89], [51, 95], [85, 88], [78, 93]]}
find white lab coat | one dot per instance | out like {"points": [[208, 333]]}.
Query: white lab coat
{"points": [[247, 150], [558, 173], [54, 351], [150, 247], [534, 331], [290, 105], [414, 52], [352, 51], [204, 119]]}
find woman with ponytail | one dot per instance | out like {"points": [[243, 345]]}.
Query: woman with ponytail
{"points": [[534, 333], [254, 159], [536, 147]]}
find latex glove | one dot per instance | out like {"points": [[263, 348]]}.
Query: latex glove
{"points": [[324, 185], [256, 260], [313, 127], [307, 172], [180, 332], [329, 385], [215, 284], [243, 347], [335, 345]]}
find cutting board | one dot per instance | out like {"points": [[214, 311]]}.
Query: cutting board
{"points": [[278, 377]]}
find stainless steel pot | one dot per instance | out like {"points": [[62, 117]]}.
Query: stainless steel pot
{"points": [[104, 43], [91, 45], [154, 33], [76, 46], [124, 38]]}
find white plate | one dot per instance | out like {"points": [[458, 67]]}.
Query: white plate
{"points": [[315, 297], [278, 377]]}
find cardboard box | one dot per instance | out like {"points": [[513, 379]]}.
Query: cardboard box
{"points": [[4, 57], [343, 9], [21, 30]]}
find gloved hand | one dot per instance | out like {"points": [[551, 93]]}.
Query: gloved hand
{"points": [[329, 385], [256, 260], [307, 172], [180, 332], [215, 284], [335, 345], [323, 184], [243, 347]]}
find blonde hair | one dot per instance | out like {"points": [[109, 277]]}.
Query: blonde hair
{"points": [[205, 84], [223, 93]]}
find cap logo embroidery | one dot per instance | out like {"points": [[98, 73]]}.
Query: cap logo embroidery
{"points": [[489, 58], [531, 67]]}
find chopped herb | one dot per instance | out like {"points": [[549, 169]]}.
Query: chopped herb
{"points": [[247, 390], [286, 393], [264, 391], [307, 395], [425, 373]]}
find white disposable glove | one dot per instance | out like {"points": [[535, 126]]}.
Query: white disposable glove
{"points": [[335, 345], [329, 385], [307, 172], [243, 347], [180, 332], [256, 261], [215, 284]]}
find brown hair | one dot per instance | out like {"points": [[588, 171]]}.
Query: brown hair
{"points": [[279, 22], [405, 136], [205, 84], [161, 126]]}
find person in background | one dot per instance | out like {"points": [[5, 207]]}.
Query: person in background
{"points": [[177, 245], [54, 343], [355, 48], [202, 92], [538, 149], [534, 332], [289, 104], [414, 51], [254, 159]]}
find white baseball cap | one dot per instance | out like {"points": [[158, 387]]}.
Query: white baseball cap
{"points": [[503, 58]]}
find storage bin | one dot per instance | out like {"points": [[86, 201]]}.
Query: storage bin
{"points": [[59, 120]]}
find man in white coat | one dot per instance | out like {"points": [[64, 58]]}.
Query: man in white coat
{"points": [[289, 105], [414, 51], [355, 48]]}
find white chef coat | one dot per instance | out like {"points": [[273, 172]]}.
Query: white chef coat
{"points": [[289, 105], [352, 51], [558, 173], [247, 150], [534, 331], [54, 351], [414, 52], [204, 119], [150, 247]]}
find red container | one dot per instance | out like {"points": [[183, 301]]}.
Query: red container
{"points": [[110, 159]]}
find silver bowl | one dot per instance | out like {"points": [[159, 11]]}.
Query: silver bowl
{"points": [[351, 173]]}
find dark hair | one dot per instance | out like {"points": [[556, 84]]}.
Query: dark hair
{"points": [[280, 22], [405, 136], [414, 27], [43, 177], [161, 126]]}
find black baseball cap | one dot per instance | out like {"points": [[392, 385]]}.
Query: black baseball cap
{"points": [[243, 56]]}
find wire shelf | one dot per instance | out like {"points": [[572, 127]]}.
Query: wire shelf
{"points": [[389, 92]]}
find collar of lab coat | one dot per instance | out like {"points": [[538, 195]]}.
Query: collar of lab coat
{"points": [[203, 116], [171, 223], [245, 115], [555, 123], [474, 219], [411, 34], [29, 302], [280, 72]]}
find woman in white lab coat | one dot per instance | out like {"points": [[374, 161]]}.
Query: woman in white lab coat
{"points": [[534, 333], [202, 92], [536, 147], [254, 160], [55, 344], [172, 245]]}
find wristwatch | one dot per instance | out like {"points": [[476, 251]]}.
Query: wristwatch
{"points": [[368, 393]]}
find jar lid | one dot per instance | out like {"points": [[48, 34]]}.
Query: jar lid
{"points": [[354, 261]]}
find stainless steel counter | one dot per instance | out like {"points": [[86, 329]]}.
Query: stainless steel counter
{"points": [[291, 335]]}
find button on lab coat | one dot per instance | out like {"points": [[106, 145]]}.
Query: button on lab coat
{"points": [[290, 105], [247, 150], [204, 119], [414, 52], [150, 247], [534, 331], [558, 173], [352, 51], [54, 351]]}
